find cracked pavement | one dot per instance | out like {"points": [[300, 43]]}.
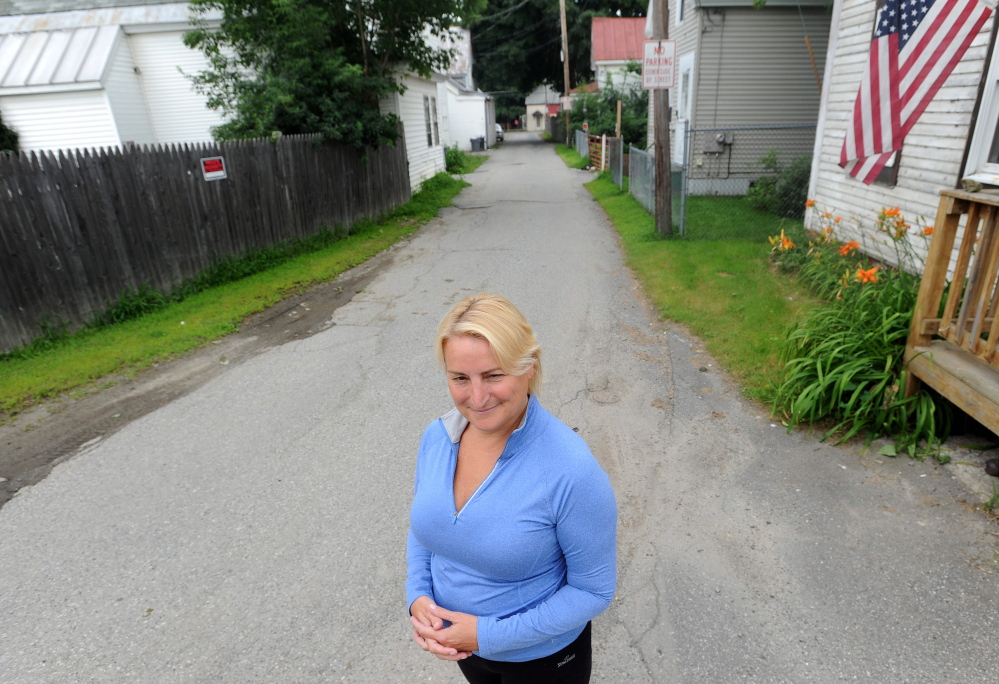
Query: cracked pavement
{"points": [[251, 525]]}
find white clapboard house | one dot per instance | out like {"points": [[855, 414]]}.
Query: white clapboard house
{"points": [[94, 75], [470, 114], [111, 73], [956, 137]]}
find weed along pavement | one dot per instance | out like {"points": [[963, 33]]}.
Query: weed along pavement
{"points": [[252, 528]]}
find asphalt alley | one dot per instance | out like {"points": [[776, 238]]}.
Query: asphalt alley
{"points": [[253, 529]]}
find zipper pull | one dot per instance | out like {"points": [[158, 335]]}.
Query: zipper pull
{"points": [[454, 518]]}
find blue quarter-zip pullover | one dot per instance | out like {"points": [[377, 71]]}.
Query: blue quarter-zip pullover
{"points": [[533, 551]]}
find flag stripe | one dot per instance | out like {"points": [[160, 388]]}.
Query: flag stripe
{"points": [[916, 45], [933, 75]]}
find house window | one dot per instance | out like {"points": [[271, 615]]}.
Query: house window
{"points": [[983, 150], [679, 12], [433, 118], [426, 116], [888, 176]]}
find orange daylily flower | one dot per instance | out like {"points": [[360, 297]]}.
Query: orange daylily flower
{"points": [[809, 203], [868, 276], [893, 212], [845, 250], [837, 219], [785, 242], [928, 230]]}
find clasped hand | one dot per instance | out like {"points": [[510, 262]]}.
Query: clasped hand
{"points": [[452, 643]]}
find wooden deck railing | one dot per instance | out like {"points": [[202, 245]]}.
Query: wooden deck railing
{"points": [[952, 342]]}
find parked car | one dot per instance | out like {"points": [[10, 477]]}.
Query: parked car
{"points": [[499, 132]]}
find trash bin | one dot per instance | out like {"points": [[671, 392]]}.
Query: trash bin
{"points": [[478, 144]]}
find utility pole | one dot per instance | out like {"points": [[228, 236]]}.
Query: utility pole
{"points": [[565, 67], [664, 167]]}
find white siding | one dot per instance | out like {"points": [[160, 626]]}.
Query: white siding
{"points": [[50, 121], [931, 154], [124, 94], [468, 114], [424, 160], [536, 123], [618, 74], [177, 111], [490, 105], [444, 114]]}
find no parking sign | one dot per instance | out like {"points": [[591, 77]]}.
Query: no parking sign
{"points": [[659, 64]]}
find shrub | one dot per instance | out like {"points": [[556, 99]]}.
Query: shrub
{"points": [[785, 191], [8, 138], [599, 110], [454, 159]]}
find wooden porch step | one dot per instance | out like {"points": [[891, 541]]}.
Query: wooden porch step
{"points": [[964, 379]]}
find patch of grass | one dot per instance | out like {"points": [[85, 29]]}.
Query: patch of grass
{"points": [[991, 505], [571, 157], [723, 218], [69, 361], [724, 291], [458, 162]]}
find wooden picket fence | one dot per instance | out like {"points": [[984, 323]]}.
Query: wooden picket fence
{"points": [[77, 228]]}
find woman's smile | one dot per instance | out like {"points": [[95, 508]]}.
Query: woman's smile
{"points": [[491, 400]]}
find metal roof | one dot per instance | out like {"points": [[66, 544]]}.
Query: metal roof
{"points": [[617, 38], [17, 7], [55, 58]]}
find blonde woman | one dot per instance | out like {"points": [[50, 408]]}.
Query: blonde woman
{"points": [[512, 537]]}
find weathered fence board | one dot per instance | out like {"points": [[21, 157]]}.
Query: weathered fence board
{"points": [[78, 228]]}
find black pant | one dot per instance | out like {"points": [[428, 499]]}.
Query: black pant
{"points": [[571, 665]]}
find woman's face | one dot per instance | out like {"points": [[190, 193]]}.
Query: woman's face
{"points": [[492, 401]]}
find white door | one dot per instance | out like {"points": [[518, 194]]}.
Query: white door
{"points": [[684, 97]]}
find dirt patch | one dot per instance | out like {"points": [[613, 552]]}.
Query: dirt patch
{"points": [[34, 441]]}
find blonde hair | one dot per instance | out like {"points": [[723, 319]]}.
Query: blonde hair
{"points": [[494, 319]]}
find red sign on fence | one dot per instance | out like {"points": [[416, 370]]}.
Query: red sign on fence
{"points": [[213, 168]]}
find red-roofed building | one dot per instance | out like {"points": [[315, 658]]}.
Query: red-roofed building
{"points": [[616, 41]]}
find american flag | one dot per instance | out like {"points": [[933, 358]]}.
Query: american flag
{"points": [[916, 44]]}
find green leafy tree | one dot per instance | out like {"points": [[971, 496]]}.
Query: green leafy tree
{"points": [[599, 111], [517, 44], [316, 66], [8, 138]]}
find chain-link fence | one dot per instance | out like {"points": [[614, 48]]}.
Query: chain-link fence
{"points": [[731, 161], [642, 183], [615, 160], [731, 170]]}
